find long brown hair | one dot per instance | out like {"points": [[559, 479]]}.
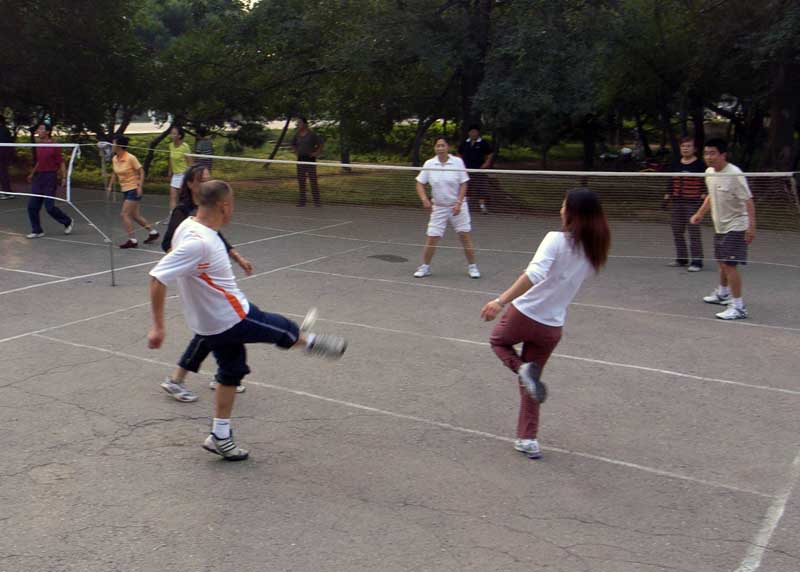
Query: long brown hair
{"points": [[587, 225]]}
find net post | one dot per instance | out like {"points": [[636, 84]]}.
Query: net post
{"points": [[102, 145], [69, 172], [795, 195]]}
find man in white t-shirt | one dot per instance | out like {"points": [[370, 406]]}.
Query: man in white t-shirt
{"points": [[448, 178], [219, 313], [734, 214]]}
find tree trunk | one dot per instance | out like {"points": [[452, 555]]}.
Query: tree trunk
{"points": [[279, 142], [589, 140], [668, 132], [422, 127], [344, 142], [643, 138], [127, 117], [783, 115], [151, 148], [473, 63], [698, 122]]}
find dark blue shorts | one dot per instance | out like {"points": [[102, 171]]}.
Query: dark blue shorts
{"points": [[228, 347], [730, 248], [131, 196]]}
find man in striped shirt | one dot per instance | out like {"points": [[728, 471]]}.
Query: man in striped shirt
{"points": [[686, 196], [218, 312]]}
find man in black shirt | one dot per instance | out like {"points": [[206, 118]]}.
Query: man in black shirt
{"points": [[476, 153]]}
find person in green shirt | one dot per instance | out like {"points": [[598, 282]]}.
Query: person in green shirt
{"points": [[178, 163]]}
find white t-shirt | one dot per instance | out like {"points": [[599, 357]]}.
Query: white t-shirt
{"points": [[444, 178], [557, 271], [199, 264], [728, 197]]}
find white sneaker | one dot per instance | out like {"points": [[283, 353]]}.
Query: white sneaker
{"points": [[528, 446], [35, 235], [473, 271], [716, 298], [178, 391], [733, 313], [484, 210], [423, 271], [309, 320], [213, 385], [69, 228], [694, 268]]}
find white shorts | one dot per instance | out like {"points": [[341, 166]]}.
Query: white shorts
{"points": [[441, 214], [177, 181]]}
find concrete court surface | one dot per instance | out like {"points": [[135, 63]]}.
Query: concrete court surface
{"points": [[671, 439]]}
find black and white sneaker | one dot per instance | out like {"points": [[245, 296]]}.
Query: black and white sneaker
{"points": [[716, 298], [529, 378], [328, 346], [225, 448]]}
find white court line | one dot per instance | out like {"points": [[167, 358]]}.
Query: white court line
{"points": [[422, 284], [760, 543], [71, 278], [570, 357], [29, 272], [292, 233], [526, 252], [112, 312], [426, 421]]}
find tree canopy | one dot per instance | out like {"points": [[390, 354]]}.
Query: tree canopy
{"points": [[532, 71]]}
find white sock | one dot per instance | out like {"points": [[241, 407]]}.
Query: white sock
{"points": [[738, 303], [310, 340], [221, 428], [133, 240], [724, 290]]}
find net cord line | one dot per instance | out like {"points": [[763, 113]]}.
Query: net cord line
{"points": [[776, 174]]}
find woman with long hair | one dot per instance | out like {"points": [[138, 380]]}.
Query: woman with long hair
{"points": [[538, 303], [196, 352]]}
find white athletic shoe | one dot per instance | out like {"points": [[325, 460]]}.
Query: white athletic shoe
{"points": [[178, 391], [34, 235], [733, 313], [69, 228], [473, 271], [528, 446], [423, 271], [225, 448], [694, 268], [716, 298], [213, 385], [309, 320]]}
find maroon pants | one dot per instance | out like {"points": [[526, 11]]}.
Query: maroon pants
{"points": [[538, 342]]}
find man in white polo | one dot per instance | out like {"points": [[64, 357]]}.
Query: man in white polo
{"points": [[731, 204], [218, 312], [448, 179]]}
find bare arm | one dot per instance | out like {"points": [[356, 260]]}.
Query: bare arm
{"points": [[140, 186], [750, 233], [701, 212], [62, 173], [517, 289], [488, 162], [423, 196], [158, 294], [462, 192]]}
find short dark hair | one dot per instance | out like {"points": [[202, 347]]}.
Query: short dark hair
{"points": [[303, 119], [441, 138], [179, 129], [121, 140], [688, 139], [45, 124], [212, 192], [719, 144], [202, 131], [474, 126]]}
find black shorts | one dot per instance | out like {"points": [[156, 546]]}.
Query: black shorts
{"points": [[228, 347], [730, 248]]}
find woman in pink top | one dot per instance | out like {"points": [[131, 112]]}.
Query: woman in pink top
{"points": [[46, 178], [539, 300]]}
